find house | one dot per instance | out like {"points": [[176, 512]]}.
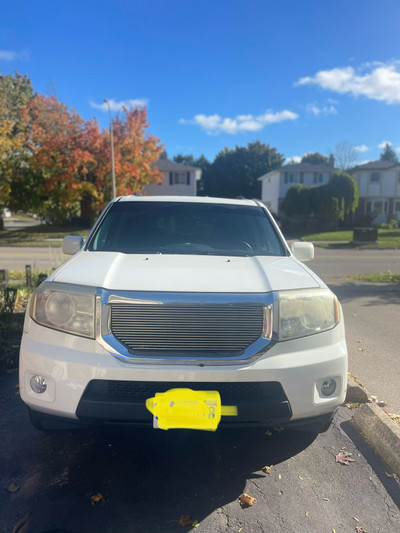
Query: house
{"points": [[275, 184], [379, 191], [179, 179]]}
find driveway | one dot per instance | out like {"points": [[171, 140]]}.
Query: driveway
{"points": [[145, 480]]}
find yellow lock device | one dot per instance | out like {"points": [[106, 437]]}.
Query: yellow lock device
{"points": [[188, 409]]}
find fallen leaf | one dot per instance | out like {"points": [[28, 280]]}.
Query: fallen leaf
{"points": [[389, 475], [96, 498], [279, 429], [246, 499], [185, 520], [195, 523], [352, 405], [361, 529], [343, 459], [13, 487], [307, 513], [300, 478], [266, 469], [268, 433], [356, 519], [279, 476], [325, 499], [362, 350], [381, 403], [240, 529]]}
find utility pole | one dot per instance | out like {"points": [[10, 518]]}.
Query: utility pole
{"points": [[113, 185]]}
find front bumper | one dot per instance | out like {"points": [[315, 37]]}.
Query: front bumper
{"points": [[71, 364]]}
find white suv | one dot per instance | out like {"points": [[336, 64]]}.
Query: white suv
{"points": [[176, 292]]}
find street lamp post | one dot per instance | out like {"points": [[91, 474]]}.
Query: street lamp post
{"points": [[114, 191]]}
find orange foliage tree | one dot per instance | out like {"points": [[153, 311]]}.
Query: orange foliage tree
{"points": [[68, 172]]}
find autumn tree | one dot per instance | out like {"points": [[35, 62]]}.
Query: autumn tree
{"points": [[315, 158], [136, 153], [15, 94], [389, 154], [235, 172]]}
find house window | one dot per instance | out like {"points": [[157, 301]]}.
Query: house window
{"points": [[320, 178], [399, 176], [286, 177], [374, 177], [301, 177], [397, 206], [315, 178], [376, 207], [291, 178], [179, 178]]}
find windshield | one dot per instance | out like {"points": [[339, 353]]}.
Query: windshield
{"points": [[186, 228]]}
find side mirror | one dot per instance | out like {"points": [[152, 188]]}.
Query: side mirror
{"points": [[303, 251], [72, 244]]}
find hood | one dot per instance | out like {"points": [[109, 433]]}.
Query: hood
{"points": [[185, 273]]}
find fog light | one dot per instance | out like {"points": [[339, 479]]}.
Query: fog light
{"points": [[328, 387], [38, 384]]}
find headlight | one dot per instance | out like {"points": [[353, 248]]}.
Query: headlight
{"points": [[306, 312], [68, 308]]}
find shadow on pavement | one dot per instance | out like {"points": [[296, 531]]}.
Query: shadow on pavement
{"points": [[148, 478], [379, 293]]}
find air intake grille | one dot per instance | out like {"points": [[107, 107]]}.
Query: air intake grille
{"points": [[212, 328]]}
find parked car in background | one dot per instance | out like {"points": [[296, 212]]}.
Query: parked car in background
{"points": [[184, 292]]}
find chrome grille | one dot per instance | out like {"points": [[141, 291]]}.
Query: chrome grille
{"points": [[171, 328]]}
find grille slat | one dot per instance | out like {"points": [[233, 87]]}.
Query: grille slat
{"points": [[185, 327]]}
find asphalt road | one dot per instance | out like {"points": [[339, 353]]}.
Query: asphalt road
{"points": [[147, 479]]}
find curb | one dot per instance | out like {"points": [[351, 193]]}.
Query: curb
{"points": [[376, 426], [381, 432]]}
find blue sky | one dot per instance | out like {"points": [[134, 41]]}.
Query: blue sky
{"points": [[300, 76]]}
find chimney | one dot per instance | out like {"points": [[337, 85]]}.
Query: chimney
{"points": [[331, 161]]}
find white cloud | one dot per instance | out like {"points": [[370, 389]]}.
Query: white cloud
{"points": [[118, 106], [314, 109], [11, 55], [294, 159], [376, 80], [214, 124], [361, 148], [383, 144]]}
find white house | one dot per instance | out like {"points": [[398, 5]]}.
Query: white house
{"points": [[179, 179], [379, 191], [275, 184]]}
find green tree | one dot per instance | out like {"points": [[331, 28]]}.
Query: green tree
{"points": [[315, 159], [235, 172], [297, 201], [184, 159], [389, 154], [334, 200]]}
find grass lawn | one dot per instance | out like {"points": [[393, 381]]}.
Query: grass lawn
{"points": [[43, 235], [386, 277], [387, 238]]}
